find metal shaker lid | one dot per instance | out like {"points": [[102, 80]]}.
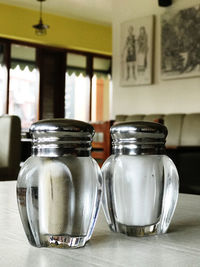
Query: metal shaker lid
{"points": [[61, 125], [59, 137], [139, 137]]}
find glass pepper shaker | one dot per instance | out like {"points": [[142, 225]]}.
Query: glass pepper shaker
{"points": [[59, 187], [140, 182]]}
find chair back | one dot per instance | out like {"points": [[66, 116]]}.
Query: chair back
{"points": [[10, 147], [101, 145]]}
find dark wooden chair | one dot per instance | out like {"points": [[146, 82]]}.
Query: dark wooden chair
{"points": [[101, 145], [10, 147]]}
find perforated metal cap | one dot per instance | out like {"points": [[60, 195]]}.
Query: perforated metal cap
{"points": [[139, 137], [59, 137], [61, 125]]}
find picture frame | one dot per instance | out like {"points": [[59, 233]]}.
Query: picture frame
{"points": [[180, 43], [136, 50]]}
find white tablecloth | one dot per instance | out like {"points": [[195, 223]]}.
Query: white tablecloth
{"points": [[179, 247]]}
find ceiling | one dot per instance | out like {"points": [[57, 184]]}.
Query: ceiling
{"points": [[97, 11]]}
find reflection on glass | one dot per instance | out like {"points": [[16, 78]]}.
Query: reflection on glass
{"points": [[3, 81], [24, 85], [77, 97]]}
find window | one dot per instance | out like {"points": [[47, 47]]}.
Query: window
{"points": [[3, 80], [87, 87], [101, 89], [77, 88], [24, 85], [60, 83]]}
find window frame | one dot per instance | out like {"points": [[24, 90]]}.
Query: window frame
{"points": [[89, 65], [89, 69]]}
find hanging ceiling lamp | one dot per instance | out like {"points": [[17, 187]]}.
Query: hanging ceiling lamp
{"points": [[40, 28]]}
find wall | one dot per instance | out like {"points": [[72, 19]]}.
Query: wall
{"points": [[180, 95], [16, 23]]}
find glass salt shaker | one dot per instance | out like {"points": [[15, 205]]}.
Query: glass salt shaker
{"points": [[140, 183], [59, 187]]}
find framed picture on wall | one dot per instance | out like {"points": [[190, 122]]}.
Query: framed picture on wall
{"points": [[180, 43], [136, 44]]}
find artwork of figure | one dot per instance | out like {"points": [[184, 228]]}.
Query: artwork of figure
{"points": [[136, 51], [130, 49], [180, 43], [142, 50]]}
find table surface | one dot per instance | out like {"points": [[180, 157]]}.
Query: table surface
{"points": [[179, 247]]}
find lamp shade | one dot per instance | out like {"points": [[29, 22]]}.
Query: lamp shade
{"points": [[40, 28]]}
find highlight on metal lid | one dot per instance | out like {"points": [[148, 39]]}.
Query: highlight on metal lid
{"points": [[139, 137], [60, 137], [139, 129], [62, 125]]}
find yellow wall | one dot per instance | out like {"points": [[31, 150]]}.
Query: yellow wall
{"points": [[16, 23]]}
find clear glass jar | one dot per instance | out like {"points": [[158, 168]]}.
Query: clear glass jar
{"points": [[140, 182], [59, 187]]}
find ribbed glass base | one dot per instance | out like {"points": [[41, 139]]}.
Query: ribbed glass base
{"points": [[136, 230]]}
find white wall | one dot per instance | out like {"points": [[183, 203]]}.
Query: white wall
{"points": [[172, 96]]}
